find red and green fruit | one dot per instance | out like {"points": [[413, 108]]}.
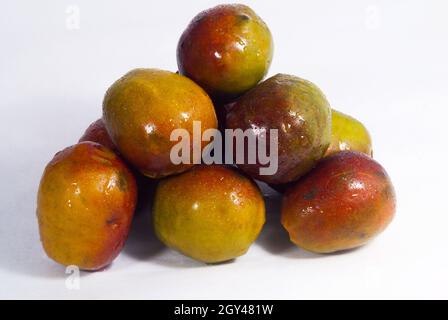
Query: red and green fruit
{"points": [[343, 203]]}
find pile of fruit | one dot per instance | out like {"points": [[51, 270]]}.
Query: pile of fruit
{"points": [[335, 196]]}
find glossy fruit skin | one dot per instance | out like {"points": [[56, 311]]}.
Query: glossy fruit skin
{"points": [[227, 50], [97, 132], [210, 213], [347, 133], [299, 111], [344, 202], [141, 110], [85, 205]]}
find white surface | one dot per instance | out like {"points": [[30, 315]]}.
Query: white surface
{"points": [[384, 62]]}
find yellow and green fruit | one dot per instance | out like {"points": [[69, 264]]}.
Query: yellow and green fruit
{"points": [[210, 213], [347, 133], [141, 110]]}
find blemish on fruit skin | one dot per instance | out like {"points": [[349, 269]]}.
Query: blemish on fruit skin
{"points": [[388, 192], [113, 222], [243, 17], [310, 195], [122, 182], [380, 174]]}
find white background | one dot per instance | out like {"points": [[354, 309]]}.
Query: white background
{"points": [[384, 62]]}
